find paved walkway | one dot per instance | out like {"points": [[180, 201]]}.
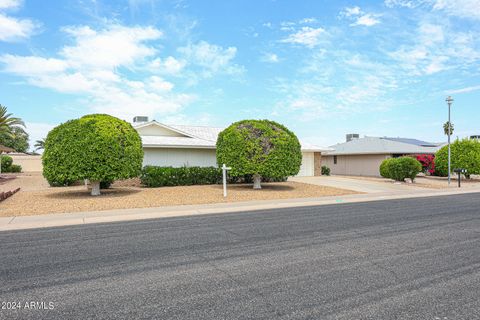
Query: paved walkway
{"points": [[55, 220], [358, 184]]}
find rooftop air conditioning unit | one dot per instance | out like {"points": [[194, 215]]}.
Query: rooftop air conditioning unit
{"points": [[352, 136], [139, 119]]}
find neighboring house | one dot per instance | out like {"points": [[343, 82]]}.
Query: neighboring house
{"points": [[363, 156], [28, 162], [179, 145]]}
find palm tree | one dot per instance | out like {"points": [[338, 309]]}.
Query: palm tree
{"points": [[7, 122], [39, 144], [447, 126]]}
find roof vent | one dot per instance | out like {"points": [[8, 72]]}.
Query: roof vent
{"points": [[352, 136], [140, 119]]}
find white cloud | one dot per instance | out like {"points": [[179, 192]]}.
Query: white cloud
{"points": [[12, 29], [9, 4], [404, 3], [367, 20], [307, 36], [26, 66], [109, 48], [335, 85], [460, 8], [307, 21], [160, 84], [463, 90], [270, 57], [92, 66], [211, 58], [434, 48], [359, 17], [170, 65], [352, 11]]}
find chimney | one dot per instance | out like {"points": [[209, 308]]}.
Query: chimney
{"points": [[352, 136], [140, 119]]}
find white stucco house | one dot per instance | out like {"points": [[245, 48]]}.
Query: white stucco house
{"points": [[180, 145]]}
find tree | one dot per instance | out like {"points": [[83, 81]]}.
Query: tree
{"points": [[39, 144], [16, 138], [446, 126], [97, 147], [259, 148], [465, 154], [7, 122]]}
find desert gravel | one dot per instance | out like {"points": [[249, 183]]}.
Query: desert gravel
{"points": [[37, 198]]}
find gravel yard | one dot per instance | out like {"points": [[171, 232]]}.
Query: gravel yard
{"points": [[37, 198]]}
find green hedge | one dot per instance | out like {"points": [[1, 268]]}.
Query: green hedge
{"points": [[400, 168], [325, 171], [153, 176], [8, 166], [465, 155]]}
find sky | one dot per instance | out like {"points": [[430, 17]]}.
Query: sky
{"points": [[322, 68]]}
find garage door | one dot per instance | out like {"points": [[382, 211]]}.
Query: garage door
{"points": [[306, 169]]}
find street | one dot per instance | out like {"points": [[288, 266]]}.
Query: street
{"points": [[397, 259]]}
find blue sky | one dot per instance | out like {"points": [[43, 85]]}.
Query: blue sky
{"points": [[323, 68]]}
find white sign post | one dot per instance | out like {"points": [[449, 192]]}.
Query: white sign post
{"points": [[224, 171]]}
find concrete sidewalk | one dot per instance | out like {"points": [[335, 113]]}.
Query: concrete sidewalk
{"points": [[357, 184], [78, 218]]}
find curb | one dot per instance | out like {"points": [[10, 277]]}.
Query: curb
{"points": [[85, 218]]}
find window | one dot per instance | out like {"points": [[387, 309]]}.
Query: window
{"points": [[334, 159]]}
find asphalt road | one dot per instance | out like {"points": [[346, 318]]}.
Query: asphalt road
{"points": [[398, 259]]}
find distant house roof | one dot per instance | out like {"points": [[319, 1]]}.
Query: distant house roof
{"points": [[6, 149], [413, 141], [383, 145], [201, 137]]}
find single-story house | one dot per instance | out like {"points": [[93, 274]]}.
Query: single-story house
{"points": [[363, 156], [29, 163], [180, 145]]}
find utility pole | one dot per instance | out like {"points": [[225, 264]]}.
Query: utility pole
{"points": [[449, 101]]}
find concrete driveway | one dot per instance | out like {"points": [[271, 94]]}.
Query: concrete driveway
{"points": [[367, 185]]}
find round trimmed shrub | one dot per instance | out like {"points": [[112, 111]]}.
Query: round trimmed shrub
{"points": [[400, 168], [385, 168], [259, 148], [465, 154], [6, 163], [96, 147]]}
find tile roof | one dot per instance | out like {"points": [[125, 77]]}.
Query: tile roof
{"points": [[203, 137], [413, 141], [378, 145]]}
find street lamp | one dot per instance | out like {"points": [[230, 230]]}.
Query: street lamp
{"points": [[449, 101]]}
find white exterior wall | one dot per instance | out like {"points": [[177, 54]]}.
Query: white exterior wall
{"points": [[179, 157], [307, 167], [355, 165]]}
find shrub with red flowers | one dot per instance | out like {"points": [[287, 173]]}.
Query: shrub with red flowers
{"points": [[428, 163]]}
